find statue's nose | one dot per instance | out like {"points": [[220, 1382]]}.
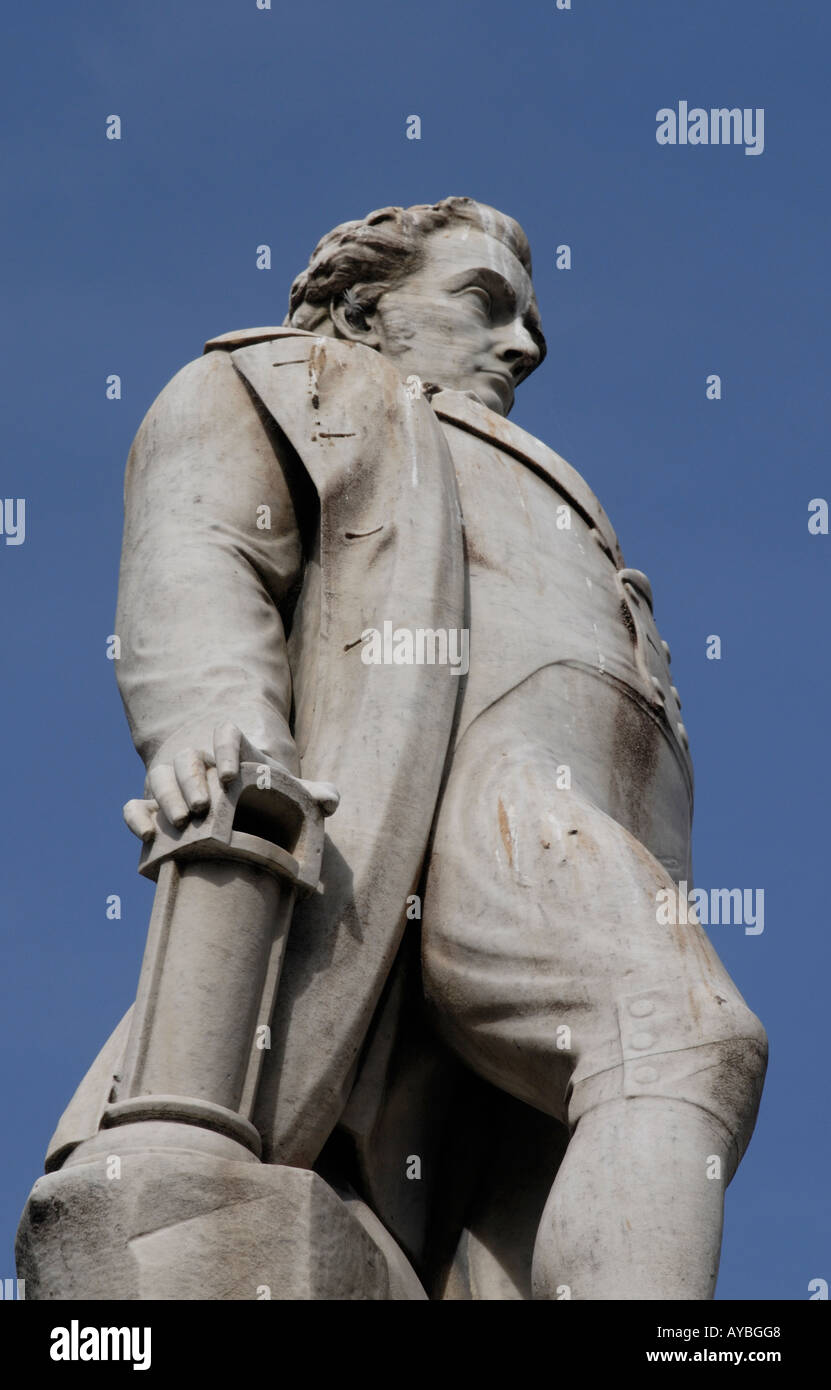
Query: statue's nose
{"points": [[518, 349]]}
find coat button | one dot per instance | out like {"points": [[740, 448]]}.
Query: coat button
{"points": [[640, 1008]]}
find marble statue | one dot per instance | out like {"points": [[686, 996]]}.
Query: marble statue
{"points": [[408, 1025]]}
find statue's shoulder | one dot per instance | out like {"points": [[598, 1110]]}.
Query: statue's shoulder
{"points": [[356, 366], [205, 396], [209, 396]]}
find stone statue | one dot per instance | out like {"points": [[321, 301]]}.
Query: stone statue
{"points": [[431, 1041]]}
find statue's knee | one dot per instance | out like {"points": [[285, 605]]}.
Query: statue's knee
{"points": [[723, 1073], [737, 1082], [683, 1041]]}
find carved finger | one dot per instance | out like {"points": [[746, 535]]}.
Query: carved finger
{"points": [[326, 796], [193, 784], [227, 742], [166, 790], [140, 817]]}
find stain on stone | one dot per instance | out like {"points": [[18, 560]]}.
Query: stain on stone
{"points": [[361, 535], [628, 620], [635, 759], [475, 556], [694, 1009], [505, 832]]}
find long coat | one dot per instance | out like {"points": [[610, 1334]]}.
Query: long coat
{"points": [[388, 547]]}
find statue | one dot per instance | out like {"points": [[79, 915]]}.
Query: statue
{"points": [[408, 1024]]}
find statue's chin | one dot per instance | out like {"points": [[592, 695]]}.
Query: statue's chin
{"points": [[495, 400], [488, 398], [493, 392]]}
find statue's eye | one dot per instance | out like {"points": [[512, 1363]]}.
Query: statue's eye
{"points": [[482, 296]]}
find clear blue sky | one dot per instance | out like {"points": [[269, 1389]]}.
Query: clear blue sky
{"points": [[243, 126]]}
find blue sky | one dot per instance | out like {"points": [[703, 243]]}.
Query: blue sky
{"points": [[243, 126]]}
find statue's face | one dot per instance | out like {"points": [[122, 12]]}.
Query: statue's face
{"points": [[466, 319]]}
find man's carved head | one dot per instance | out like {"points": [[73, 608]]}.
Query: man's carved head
{"points": [[444, 290]]}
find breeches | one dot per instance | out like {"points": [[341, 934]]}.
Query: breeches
{"points": [[544, 961]]}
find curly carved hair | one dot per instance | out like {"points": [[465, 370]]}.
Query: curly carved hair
{"points": [[360, 260]]}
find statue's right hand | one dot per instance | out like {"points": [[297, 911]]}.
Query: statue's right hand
{"points": [[177, 781], [177, 778]]}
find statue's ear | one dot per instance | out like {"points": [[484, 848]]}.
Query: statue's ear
{"points": [[353, 321]]}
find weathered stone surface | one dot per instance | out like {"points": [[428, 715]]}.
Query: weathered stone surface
{"points": [[190, 1227]]}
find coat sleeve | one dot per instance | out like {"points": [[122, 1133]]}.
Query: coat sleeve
{"points": [[211, 551]]}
